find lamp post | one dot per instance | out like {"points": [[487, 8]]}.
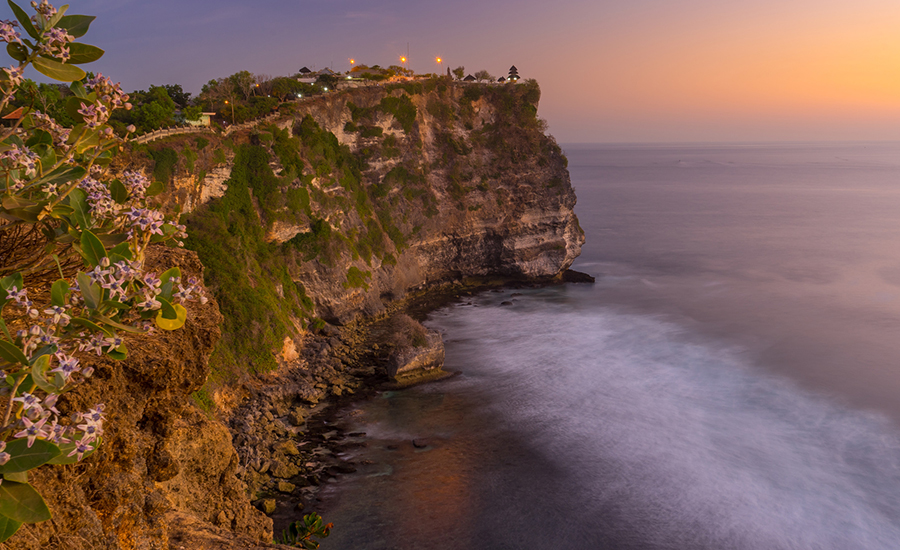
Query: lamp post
{"points": [[232, 112], [438, 60]]}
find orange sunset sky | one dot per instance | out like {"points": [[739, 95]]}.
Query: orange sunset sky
{"points": [[611, 71]]}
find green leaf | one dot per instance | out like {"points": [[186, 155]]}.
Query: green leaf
{"points": [[119, 354], [24, 20], [166, 323], [20, 502], [112, 239], [24, 458], [155, 188], [57, 70], [77, 88], [48, 159], [62, 175], [90, 138], [90, 325], [18, 477], [118, 325], [39, 375], [4, 329], [73, 104], [167, 311], [168, 274], [78, 201], [12, 353], [76, 25], [39, 136], [8, 528], [14, 280], [67, 448], [118, 192], [17, 51], [58, 292], [27, 386], [92, 249], [12, 201], [61, 210], [84, 53], [29, 214], [123, 250], [91, 292], [60, 12]]}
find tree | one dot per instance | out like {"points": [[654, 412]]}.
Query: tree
{"points": [[484, 75], [50, 99], [178, 95], [156, 111], [244, 82], [192, 112], [459, 72], [216, 92], [327, 81], [285, 87]]}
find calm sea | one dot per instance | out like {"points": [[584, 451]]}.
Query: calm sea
{"points": [[732, 380]]}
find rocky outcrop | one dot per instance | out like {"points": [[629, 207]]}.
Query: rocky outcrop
{"points": [[160, 455]]}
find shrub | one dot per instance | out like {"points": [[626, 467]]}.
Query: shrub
{"points": [[402, 110], [78, 236], [357, 278]]}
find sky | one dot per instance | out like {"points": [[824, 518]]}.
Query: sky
{"points": [[609, 70]]}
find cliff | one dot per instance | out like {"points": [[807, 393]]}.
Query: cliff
{"points": [[341, 206]]}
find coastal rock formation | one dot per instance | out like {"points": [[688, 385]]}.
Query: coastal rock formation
{"points": [[342, 205], [160, 454]]}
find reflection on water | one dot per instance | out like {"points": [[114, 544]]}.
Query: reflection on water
{"points": [[731, 381]]}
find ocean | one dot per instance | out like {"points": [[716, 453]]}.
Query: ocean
{"points": [[731, 381]]}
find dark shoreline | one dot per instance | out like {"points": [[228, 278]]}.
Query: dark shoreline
{"points": [[363, 379]]}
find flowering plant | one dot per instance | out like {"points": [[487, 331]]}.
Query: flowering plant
{"points": [[72, 243]]}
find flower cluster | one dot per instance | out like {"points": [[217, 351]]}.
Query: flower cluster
{"points": [[109, 93], [8, 32], [99, 198], [136, 184], [60, 135], [60, 190], [56, 44], [44, 9]]}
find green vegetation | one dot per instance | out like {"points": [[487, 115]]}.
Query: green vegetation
{"points": [[357, 278], [402, 109], [371, 131], [244, 271], [164, 167], [190, 157], [286, 147]]}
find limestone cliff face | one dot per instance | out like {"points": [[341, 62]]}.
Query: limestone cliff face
{"points": [[463, 181]]}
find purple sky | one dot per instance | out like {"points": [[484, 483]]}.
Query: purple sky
{"points": [[610, 70]]}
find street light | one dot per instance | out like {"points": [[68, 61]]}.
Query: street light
{"points": [[232, 112], [438, 60]]}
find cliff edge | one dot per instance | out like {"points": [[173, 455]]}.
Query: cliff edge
{"points": [[338, 207]]}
